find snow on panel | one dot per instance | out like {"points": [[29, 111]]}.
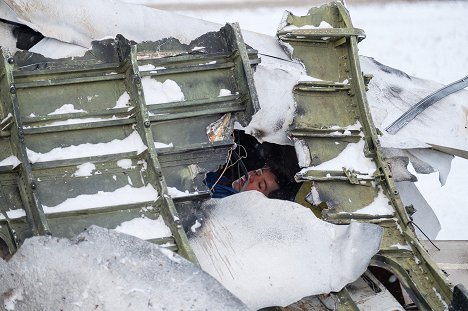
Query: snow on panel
{"points": [[85, 169], [131, 143], [11, 160], [274, 83], [224, 92], [121, 196], [123, 101], [102, 269], [323, 25], [352, 157], [380, 206], [67, 108], [272, 252], [145, 228], [159, 93]]}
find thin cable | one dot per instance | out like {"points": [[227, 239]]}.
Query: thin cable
{"points": [[224, 170], [412, 222]]}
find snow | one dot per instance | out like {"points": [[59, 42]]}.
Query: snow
{"points": [[102, 269], [277, 105], [174, 192], [159, 145], [125, 164], [67, 108], [352, 158], [380, 206], [245, 256], [323, 24], [145, 228], [159, 93], [85, 169], [75, 121], [121, 196], [123, 101], [224, 92], [131, 143], [11, 160]]}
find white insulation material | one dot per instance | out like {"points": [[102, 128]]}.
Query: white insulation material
{"points": [[292, 254]]}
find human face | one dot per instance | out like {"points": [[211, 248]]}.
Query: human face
{"points": [[262, 180]]}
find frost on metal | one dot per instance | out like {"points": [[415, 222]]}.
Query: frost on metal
{"points": [[105, 270], [315, 256]]}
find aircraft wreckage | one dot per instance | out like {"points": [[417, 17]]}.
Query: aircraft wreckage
{"points": [[122, 136]]}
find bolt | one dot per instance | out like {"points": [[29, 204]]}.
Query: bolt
{"points": [[11, 60], [147, 123], [12, 89], [137, 79], [33, 185]]}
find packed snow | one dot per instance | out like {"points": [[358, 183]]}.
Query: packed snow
{"points": [[123, 101], [245, 256], [102, 269]]}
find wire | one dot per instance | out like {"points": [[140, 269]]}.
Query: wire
{"points": [[412, 222]]}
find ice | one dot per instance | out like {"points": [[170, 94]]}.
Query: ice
{"points": [[120, 196], [145, 228], [102, 269], [131, 143], [67, 108], [159, 93], [272, 252], [85, 169]]}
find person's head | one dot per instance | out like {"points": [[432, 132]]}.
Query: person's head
{"points": [[262, 180]]}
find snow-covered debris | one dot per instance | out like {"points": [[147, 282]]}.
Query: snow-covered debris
{"points": [[102, 269], [393, 92], [272, 252]]}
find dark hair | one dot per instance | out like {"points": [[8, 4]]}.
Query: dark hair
{"points": [[285, 178]]}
